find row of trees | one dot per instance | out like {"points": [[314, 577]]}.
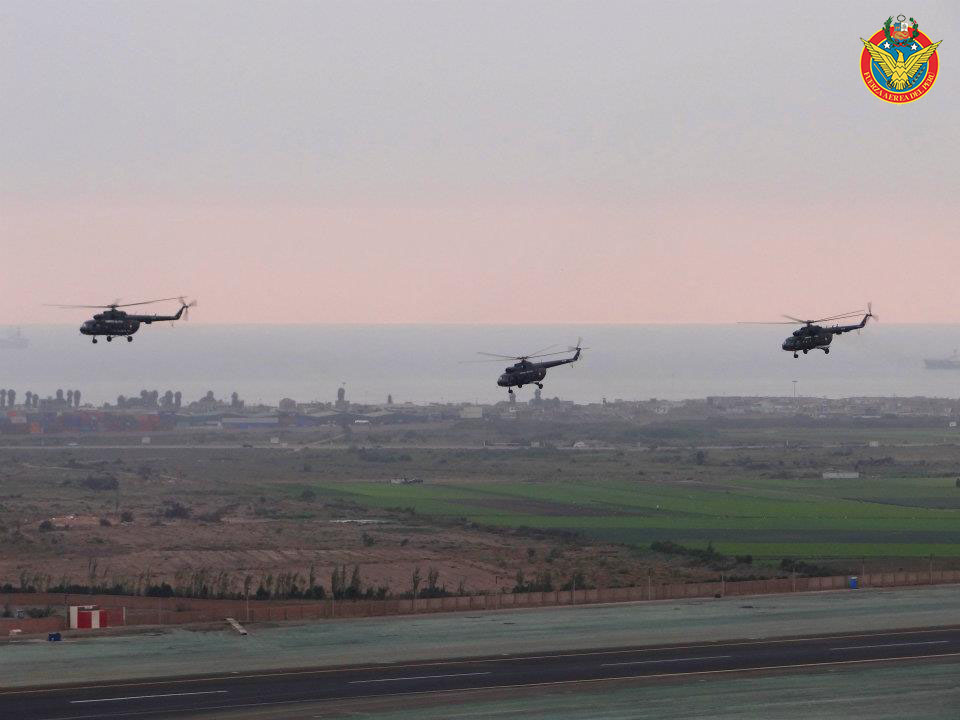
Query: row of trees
{"points": [[206, 583], [171, 400], [152, 399], [70, 399]]}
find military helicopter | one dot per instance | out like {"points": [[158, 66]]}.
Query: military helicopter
{"points": [[114, 322], [525, 372], [812, 336]]}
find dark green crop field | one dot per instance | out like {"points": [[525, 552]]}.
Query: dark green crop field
{"points": [[768, 503]]}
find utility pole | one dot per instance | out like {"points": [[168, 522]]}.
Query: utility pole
{"points": [[796, 399]]}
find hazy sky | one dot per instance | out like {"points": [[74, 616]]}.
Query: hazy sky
{"points": [[473, 162]]}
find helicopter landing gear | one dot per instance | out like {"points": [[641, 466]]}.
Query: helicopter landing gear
{"points": [[540, 385], [94, 341], [805, 352], [109, 338], [509, 391], [129, 338], [826, 351], [795, 355]]}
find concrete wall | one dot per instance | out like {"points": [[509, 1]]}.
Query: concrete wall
{"points": [[31, 625], [175, 611]]}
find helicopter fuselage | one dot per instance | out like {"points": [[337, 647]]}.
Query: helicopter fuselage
{"points": [[521, 374], [117, 323], [808, 337], [526, 372], [111, 324], [813, 337]]}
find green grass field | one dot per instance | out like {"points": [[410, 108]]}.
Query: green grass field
{"points": [[604, 496]]}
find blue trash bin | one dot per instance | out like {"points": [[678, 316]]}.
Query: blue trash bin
{"points": [[853, 582], [54, 637]]}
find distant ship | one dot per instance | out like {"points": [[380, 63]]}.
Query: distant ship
{"points": [[14, 340], [947, 363]]}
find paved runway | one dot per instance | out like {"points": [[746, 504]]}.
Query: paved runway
{"points": [[263, 689]]}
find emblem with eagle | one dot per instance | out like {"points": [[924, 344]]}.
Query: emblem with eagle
{"points": [[899, 64]]}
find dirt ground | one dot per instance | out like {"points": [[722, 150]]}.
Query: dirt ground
{"points": [[226, 518]]}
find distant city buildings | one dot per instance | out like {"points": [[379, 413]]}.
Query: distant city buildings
{"points": [[151, 411]]}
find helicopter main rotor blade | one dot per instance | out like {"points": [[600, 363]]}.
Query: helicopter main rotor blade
{"points": [[538, 353], [115, 304], [558, 352], [91, 307], [502, 357], [852, 313], [147, 302], [797, 320], [771, 322]]}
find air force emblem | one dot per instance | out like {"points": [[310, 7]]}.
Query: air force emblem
{"points": [[899, 64]]}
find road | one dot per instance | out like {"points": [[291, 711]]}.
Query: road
{"points": [[262, 689]]}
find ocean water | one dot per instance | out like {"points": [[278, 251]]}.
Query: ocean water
{"points": [[423, 363]]}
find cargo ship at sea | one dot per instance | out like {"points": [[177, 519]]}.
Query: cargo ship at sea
{"points": [[13, 340], [947, 363]]}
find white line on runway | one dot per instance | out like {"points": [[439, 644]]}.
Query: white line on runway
{"points": [[418, 677], [654, 662], [144, 697], [862, 647]]}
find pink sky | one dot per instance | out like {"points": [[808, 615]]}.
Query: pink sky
{"points": [[692, 261], [475, 162]]}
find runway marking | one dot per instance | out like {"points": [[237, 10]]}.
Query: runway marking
{"points": [[267, 703], [654, 662], [479, 661], [904, 644], [144, 697], [417, 677]]}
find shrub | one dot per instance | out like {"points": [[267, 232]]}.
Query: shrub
{"points": [[804, 568], [105, 522], [126, 516], [101, 482], [176, 509], [40, 612], [46, 526]]}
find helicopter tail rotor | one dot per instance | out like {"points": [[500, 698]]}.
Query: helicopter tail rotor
{"points": [[576, 350], [186, 307], [869, 315]]}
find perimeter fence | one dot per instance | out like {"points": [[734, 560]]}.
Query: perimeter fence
{"points": [[141, 610]]}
